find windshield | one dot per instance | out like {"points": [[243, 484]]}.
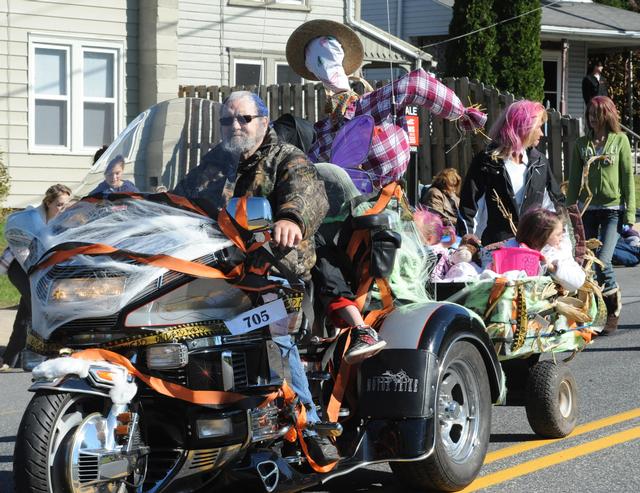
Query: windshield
{"points": [[160, 145]]}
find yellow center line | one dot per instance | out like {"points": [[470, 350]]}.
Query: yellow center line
{"points": [[553, 459], [579, 430]]}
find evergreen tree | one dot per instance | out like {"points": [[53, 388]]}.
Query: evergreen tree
{"points": [[518, 66], [472, 56]]}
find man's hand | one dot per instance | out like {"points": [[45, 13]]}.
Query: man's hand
{"points": [[286, 234]]}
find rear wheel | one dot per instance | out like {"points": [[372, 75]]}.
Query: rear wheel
{"points": [[552, 399], [47, 426], [463, 421]]}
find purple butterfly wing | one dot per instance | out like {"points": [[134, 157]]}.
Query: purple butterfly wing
{"points": [[352, 143]]}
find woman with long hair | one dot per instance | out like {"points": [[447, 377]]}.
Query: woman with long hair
{"points": [[55, 200], [510, 176], [601, 179], [443, 195]]}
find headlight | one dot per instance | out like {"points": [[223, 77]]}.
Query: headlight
{"points": [[210, 428], [167, 356], [84, 289]]}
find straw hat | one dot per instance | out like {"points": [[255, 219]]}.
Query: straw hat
{"points": [[351, 44]]}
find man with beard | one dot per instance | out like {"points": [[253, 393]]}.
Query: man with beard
{"points": [[251, 160]]}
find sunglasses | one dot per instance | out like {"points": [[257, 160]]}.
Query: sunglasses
{"points": [[241, 119]]}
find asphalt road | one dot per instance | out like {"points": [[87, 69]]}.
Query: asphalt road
{"points": [[603, 455]]}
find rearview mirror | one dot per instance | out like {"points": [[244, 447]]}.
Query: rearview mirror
{"points": [[259, 214]]}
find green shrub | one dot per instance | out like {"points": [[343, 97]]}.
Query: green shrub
{"points": [[5, 185], [472, 56], [518, 65]]}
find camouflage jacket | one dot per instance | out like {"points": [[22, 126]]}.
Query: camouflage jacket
{"points": [[281, 173]]}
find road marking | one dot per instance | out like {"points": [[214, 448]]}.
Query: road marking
{"points": [[7, 413], [553, 459], [579, 430]]}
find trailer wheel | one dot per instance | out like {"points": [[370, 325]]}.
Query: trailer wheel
{"points": [[462, 421], [552, 399]]}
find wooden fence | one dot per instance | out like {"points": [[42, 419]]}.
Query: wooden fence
{"points": [[442, 144]]}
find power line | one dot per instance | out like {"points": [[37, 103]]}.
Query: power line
{"points": [[489, 27]]}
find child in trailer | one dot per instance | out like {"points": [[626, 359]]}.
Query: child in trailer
{"points": [[438, 238], [543, 231]]}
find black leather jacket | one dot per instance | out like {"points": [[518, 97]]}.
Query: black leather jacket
{"points": [[486, 175]]}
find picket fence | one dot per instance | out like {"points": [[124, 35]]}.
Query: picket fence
{"points": [[441, 143]]}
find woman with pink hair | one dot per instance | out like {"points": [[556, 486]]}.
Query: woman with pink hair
{"points": [[511, 176]]}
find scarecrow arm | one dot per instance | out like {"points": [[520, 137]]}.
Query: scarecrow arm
{"points": [[420, 89]]}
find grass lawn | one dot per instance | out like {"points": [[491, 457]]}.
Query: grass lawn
{"points": [[9, 295]]}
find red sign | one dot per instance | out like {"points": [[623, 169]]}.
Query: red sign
{"points": [[413, 125]]}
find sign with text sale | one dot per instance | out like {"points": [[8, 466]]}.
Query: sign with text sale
{"points": [[413, 126]]}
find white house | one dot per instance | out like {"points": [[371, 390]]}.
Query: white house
{"points": [[73, 75], [570, 32]]}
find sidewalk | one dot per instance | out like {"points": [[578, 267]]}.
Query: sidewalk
{"points": [[7, 317]]}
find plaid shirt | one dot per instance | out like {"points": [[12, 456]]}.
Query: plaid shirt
{"points": [[389, 153]]}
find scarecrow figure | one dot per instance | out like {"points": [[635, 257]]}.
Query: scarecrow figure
{"points": [[328, 51]]}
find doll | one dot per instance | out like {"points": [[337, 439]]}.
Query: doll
{"points": [[465, 260]]}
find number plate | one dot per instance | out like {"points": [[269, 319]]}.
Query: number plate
{"points": [[257, 318]]}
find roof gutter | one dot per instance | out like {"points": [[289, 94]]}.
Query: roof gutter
{"points": [[592, 33], [352, 21]]}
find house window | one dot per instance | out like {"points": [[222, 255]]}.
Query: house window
{"points": [[51, 91], [74, 95], [284, 74], [247, 72], [552, 85], [99, 98]]}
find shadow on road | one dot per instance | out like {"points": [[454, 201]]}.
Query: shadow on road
{"points": [[513, 437], [6, 479], [367, 480], [610, 349], [10, 439]]}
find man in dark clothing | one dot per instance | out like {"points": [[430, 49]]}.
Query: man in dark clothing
{"points": [[594, 84], [251, 160]]}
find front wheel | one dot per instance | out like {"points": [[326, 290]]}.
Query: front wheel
{"points": [[40, 461], [463, 422]]}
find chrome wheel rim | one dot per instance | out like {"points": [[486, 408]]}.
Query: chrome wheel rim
{"points": [[458, 411], [565, 399], [68, 419]]}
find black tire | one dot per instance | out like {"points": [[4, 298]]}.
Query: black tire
{"points": [[552, 399], [461, 440], [45, 430]]}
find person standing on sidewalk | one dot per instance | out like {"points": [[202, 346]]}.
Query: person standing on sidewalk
{"points": [[594, 84], [601, 179], [53, 203]]}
